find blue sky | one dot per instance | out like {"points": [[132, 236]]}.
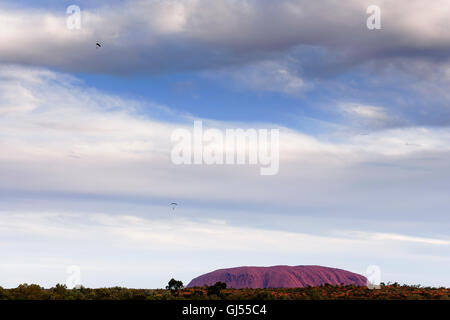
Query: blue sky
{"points": [[85, 167]]}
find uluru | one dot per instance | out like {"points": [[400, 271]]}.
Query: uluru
{"points": [[279, 277]]}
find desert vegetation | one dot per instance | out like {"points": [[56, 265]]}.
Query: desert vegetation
{"points": [[176, 291]]}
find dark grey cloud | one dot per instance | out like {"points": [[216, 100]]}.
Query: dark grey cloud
{"points": [[173, 36]]}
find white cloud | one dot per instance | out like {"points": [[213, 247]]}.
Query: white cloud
{"points": [[269, 76], [111, 248], [367, 117], [70, 131], [383, 237], [178, 234], [364, 111]]}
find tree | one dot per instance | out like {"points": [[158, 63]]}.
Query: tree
{"points": [[60, 289], [216, 288], [174, 286], [29, 292]]}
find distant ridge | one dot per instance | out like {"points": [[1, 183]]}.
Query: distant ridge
{"points": [[279, 277]]}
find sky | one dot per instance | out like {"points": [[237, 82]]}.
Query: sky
{"points": [[86, 176]]}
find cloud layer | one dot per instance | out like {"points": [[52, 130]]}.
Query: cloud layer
{"points": [[157, 36], [59, 135], [152, 248], [83, 171]]}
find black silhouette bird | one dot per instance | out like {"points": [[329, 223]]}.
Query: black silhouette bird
{"points": [[98, 45], [173, 205]]}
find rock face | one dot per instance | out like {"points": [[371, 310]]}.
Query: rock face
{"points": [[279, 277]]}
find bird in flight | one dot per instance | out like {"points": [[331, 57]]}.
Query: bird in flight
{"points": [[173, 205], [98, 45]]}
